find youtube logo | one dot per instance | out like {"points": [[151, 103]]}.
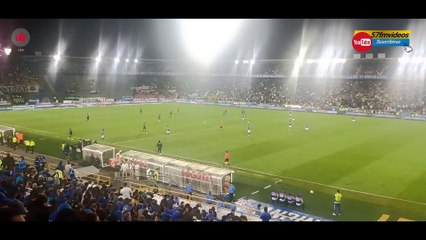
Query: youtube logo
{"points": [[20, 37]]}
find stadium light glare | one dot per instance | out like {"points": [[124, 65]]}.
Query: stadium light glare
{"points": [[252, 61], [245, 61], [136, 61], [57, 57], [7, 51], [205, 38], [117, 60], [127, 60], [236, 61], [98, 59]]}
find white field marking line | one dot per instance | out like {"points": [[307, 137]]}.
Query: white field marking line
{"points": [[267, 187], [264, 173], [254, 192], [278, 181], [33, 129], [47, 132], [290, 178]]}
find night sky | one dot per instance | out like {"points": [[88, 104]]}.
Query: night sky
{"points": [[160, 39]]}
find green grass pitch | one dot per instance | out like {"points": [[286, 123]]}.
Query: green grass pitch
{"points": [[371, 155]]}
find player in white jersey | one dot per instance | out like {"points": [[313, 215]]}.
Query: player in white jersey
{"points": [[306, 127], [168, 130], [249, 129]]}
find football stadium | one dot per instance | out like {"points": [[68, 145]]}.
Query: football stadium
{"points": [[211, 120]]}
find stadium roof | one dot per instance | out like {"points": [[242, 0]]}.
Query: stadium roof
{"points": [[160, 38]]}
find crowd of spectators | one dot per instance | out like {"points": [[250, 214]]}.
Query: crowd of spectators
{"points": [[31, 193], [358, 84]]}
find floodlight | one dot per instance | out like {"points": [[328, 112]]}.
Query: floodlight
{"points": [[205, 38]]}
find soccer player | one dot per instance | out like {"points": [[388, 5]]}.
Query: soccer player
{"points": [[221, 127], [140, 110], [226, 161], [87, 117], [353, 118], [69, 133], [103, 135], [171, 113], [306, 127], [290, 124], [144, 127], [159, 117], [159, 147], [249, 129], [299, 203], [168, 130]]}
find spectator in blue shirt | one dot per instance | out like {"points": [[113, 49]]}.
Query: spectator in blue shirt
{"points": [[210, 197], [22, 165], [60, 166], [265, 216]]}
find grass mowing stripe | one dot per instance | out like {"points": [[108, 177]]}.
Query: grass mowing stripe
{"points": [[156, 137]]}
